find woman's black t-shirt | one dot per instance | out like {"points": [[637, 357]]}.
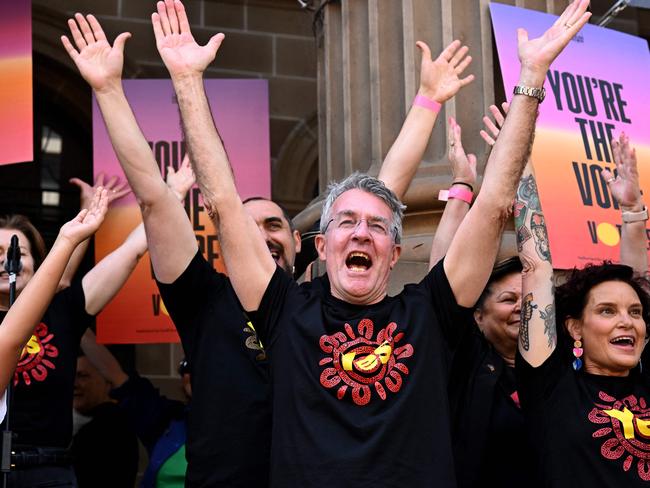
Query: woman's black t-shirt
{"points": [[588, 430]]}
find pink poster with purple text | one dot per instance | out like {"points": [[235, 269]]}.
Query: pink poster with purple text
{"points": [[596, 89], [241, 113]]}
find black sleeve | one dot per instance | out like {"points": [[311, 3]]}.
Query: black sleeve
{"points": [[185, 297], [454, 320], [148, 412], [266, 319], [74, 299], [535, 385]]}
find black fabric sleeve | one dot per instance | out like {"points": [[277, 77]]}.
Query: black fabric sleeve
{"points": [[454, 320], [74, 299], [148, 412], [185, 297], [266, 319], [535, 385]]}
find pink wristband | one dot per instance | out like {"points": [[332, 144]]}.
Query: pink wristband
{"points": [[456, 192], [422, 101]]}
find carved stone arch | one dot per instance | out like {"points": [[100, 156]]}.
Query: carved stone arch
{"points": [[295, 175]]}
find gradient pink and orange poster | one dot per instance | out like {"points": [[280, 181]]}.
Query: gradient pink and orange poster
{"points": [[241, 112], [596, 89], [16, 127]]}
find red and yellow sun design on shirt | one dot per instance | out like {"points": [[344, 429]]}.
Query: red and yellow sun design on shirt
{"points": [[358, 362], [35, 359], [626, 433]]}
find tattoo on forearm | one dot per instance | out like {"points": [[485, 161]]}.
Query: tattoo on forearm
{"points": [[523, 234], [527, 307], [538, 228], [527, 193], [548, 316]]}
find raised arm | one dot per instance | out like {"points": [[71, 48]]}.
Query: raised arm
{"points": [[537, 332], [103, 360], [440, 80], [463, 170], [627, 192], [115, 189], [108, 276], [170, 236], [249, 263], [472, 252], [23, 316]]}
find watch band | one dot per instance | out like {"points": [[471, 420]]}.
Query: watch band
{"points": [[629, 217], [538, 93]]}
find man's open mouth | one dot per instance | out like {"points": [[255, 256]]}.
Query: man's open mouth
{"points": [[358, 261]]}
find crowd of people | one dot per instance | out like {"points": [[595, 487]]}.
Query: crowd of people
{"points": [[484, 373]]}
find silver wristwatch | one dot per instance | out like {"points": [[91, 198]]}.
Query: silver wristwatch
{"points": [[538, 93]]}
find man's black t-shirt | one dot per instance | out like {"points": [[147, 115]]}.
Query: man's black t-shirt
{"points": [[360, 392], [588, 430], [105, 450], [229, 421], [41, 403]]}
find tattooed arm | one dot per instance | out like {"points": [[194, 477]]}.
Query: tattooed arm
{"points": [[537, 332]]}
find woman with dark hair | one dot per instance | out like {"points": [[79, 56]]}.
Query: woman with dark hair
{"points": [[578, 368], [41, 403], [35, 289]]}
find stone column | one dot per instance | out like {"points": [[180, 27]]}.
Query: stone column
{"points": [[368, 69]]}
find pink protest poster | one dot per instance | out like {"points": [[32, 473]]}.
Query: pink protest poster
{"points": [[241, 112], [596, 89], [16, 126]]}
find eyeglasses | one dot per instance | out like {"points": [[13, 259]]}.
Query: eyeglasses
{"points": [[378, 226]]}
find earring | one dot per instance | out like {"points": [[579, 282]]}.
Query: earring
{"points": [[577, 353], [640, 366]]}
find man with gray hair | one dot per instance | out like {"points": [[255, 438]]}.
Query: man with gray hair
{"points": [[360, 378]]}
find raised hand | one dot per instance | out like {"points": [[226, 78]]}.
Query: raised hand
{"points": [[440, 78], [494, 126], [115, 189], [99, 63], [463, 166], [625, 186], [88, 220], [182, 55], [537, 54], [182, 180]]}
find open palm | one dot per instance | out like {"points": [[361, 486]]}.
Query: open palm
{"points": [[99, 63], [179, 51], [625, 186], [440, 78], [542, 51], [88, 220]]}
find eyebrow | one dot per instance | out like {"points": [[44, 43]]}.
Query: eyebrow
{"points": [[613, 304], [272, 220], [372, 218]]}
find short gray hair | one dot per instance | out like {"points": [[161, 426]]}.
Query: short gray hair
{"points": [[369, 184]]}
